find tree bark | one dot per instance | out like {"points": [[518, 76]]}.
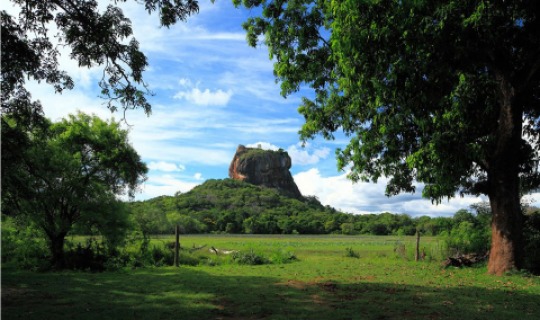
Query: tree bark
{"points": [[506, 252], [56, 245]]}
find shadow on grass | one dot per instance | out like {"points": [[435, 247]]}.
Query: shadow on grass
{"points": [[189, 293]]}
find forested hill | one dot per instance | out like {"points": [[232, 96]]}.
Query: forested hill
{"points": [[236, 207]]}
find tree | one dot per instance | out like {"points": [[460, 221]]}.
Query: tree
{"points": [[440, 92], [94, 37], [71, 172]]}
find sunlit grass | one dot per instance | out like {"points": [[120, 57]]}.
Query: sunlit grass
{"points": [[323, 284]]}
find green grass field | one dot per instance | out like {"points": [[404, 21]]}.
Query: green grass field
{"points": [[324, 283]]}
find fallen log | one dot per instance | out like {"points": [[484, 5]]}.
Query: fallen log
{"points": [[221, 251], [464, 260]]}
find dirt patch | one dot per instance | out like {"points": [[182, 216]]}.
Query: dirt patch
{"points": [[295, 284], [328, 286]]}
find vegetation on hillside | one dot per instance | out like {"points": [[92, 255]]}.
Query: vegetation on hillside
{"points": [[255, 153]]}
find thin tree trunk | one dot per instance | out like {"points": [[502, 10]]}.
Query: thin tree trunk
{"points": [[177, 246]]}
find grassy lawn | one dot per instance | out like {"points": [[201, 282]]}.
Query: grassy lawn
{"points": [[323, 284]]}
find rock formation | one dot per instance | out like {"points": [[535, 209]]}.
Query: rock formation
{"points": [[264, 168]]}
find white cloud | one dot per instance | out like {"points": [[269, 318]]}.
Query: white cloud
{"points": [[165, 151], [301, 156], [206, 97], [184, 82], [361, 198], [298, 155], [263, 145], [164, 185], [198, 176], [166, 166], [532, 199]]}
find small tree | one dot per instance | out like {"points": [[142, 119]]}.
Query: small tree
{"points": [[70, 170]]}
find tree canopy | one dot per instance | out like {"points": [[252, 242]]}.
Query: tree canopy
{"points": [[72, 172], [440, 92]]}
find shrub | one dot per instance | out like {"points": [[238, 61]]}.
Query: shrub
{"points": [[350, 253], [282, 256], [399, 249], [249, 258], [532, 243], [161, 256], [466, 237], [24, 249], [91, 257]]}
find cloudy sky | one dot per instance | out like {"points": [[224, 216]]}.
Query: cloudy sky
{"points": [[212, 93]]}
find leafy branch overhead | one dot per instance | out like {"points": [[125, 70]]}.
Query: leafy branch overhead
{"points": [[94, 37]]}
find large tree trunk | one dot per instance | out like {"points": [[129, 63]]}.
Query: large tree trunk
{"points": [[506, 228], [504, 189], [56, 245]]}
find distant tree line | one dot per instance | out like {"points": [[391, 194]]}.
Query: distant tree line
{"points": [[232, 206]]}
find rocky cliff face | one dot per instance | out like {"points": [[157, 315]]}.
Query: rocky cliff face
{"points": [[264, 168]]}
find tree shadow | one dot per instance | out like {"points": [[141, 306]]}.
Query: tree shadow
{"points": [[191, 293]]}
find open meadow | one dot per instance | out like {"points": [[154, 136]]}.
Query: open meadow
{"points": [[306, 277]]}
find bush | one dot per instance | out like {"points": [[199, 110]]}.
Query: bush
{"points": [[161, 256], [399, 250], [532, 243], [350, 253], [282, 256], [91, 257], [24, 249], [249, 258], [466, 237]]}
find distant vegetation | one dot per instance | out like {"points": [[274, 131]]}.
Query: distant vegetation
{"points": [[231, 206], [236, 207]]}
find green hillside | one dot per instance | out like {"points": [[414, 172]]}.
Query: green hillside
{"points": [[236, 207]]}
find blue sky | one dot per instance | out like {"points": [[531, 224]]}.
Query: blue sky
{"points": [[212, 93]]}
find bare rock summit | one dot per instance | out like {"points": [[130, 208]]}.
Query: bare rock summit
{"points": [[264, 168]]}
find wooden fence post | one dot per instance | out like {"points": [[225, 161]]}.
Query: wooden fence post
{"points": [[417, 250], [177, 246]]}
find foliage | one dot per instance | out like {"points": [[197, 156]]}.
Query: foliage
{"points": [[95, 38], [256, 153], [350, 253], [238, 207], [439, 92], [469, 233], [234, 207], [22, 246], [71, 173], [532, 242], [250, 258], [92, 257]]}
